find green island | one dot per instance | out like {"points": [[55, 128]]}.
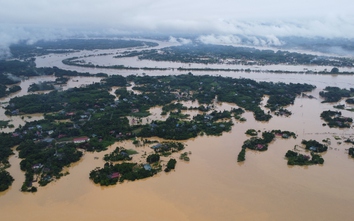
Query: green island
{"points": [[251, 132], [335, 94], [335, 119], [212, 54], [42, 86], [351, 152], [295, 158], [261, 144], [119, 154], [314, 146], [6, 180], [5, 124], [111, 173], [6, 145], [22, 50], [220, 54]]}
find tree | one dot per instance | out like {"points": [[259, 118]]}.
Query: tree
{"points": [[171, 164], [335, 70], [153, 158], [5, 180]]}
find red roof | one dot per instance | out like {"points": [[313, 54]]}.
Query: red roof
{"points": [[81, 139], [115, 175]]}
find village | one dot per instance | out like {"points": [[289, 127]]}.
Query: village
{"points": [[93, 117]]}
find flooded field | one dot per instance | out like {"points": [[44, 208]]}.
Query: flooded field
{"points": [[212, 185], [24, 84]]}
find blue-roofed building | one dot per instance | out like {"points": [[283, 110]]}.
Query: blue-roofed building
{"points": [[147, 167]]}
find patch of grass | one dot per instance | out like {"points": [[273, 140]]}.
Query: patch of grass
{"points": [[4, 123], [131, 152]]}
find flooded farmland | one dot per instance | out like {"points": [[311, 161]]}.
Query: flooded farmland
{"points": [[212, 185]]}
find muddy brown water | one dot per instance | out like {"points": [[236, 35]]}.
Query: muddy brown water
{"points": [[212, 186]]}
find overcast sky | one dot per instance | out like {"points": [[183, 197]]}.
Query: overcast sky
{"points": [[50, 19]]}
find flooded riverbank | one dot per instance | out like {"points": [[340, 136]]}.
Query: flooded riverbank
{"points": [[212, 185]]}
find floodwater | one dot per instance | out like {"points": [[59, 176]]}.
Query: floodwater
{"points": [[24, 84], [107, 58], [212, 186]]}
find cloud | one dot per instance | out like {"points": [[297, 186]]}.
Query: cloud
{"points": [[179, 40], [220, 39], [260, 22]]}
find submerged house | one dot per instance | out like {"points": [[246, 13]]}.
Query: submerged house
{"points": [[114, 175], [147, 167], [81, 139]]}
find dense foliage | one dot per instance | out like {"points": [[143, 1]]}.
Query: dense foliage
{"points": [[261, 144], [314, 146], [295, 158], [45, 162], [110, 174], [93, 113], [24, 50], [119, 154], [335, 119], [171, 164], [351, 152], [335, 94], [5, 180], [208, 53]]}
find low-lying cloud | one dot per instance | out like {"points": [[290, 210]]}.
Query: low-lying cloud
{"points": [[257, 22]]}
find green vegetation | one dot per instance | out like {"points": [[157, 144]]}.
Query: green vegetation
{"points": [[351, 152], [335, 119], [335, 94], [211, 54], [314, 146], [251, 132], [8, 140], [110, 174], [43, 86], [93, 114], [339, 106], [242, 155], [350, 101], [167, 148], [284, 134], [6, 90], [44, 162], [5, 180], [171, 164], [153, 158], [24, 50], [119, 154], [261, 144], [295, 158], [4, 123], [184, 156], [115, 80]]}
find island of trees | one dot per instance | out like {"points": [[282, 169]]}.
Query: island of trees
{"points": [[295, 158], [261, 144], [335, 119], [91, 118], [212, 54], [112, 173]]}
